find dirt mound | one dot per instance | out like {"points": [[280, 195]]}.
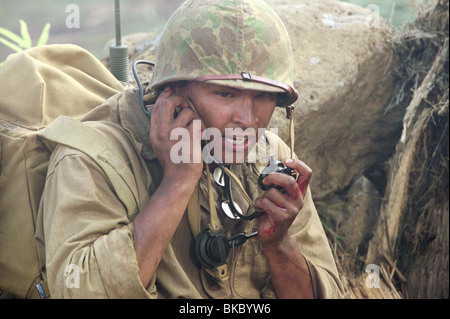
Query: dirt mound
{"points": [[343, 64]]}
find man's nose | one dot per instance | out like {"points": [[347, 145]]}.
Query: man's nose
{"points": [[243, 114]]}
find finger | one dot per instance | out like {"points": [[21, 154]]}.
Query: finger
{"points": [[283, 200], [304, 173], [166, 104], [185, 117], [274, 211], [162, 116], [195, 132], [156, 108], [287, 182]]}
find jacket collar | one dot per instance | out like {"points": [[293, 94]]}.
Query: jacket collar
{"points": [[136, 122]]}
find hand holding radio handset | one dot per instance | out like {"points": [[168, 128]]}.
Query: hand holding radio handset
{"points": [[163, 122], [282, 205]]}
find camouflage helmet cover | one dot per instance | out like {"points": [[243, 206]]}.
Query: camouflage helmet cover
{"points": [[236, 43]]}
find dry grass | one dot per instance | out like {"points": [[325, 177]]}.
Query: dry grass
{"points": [[410, 243]]}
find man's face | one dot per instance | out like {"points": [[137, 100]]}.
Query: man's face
{"points": [[237, 114]]}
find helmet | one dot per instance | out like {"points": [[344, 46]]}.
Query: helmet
{"points": [[236, 43]]}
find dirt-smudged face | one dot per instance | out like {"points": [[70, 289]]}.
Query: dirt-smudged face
{"points": [[237, 114]]}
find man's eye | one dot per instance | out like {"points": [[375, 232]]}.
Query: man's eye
{"points": [[266, 95], [224, 94]]}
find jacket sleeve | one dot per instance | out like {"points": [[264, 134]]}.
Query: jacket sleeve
{"points": [[310, 238], [89, 239]]}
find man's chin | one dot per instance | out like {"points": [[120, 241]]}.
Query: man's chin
{"points": [[230, 158], [234, 157]]}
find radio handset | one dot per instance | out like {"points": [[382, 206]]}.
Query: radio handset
{"points": [[151, 97]]}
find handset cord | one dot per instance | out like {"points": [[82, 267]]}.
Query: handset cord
{"points": [[138, 81]]}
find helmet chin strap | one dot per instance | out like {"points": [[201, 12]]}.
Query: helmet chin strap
{"points": [[290, 111]]}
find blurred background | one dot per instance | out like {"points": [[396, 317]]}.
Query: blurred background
{"points": [[96, 19]]}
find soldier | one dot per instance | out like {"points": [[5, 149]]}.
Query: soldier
{"points": [[222, 65]]}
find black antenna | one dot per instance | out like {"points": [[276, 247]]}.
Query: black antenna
{"points": [[119, 53]]}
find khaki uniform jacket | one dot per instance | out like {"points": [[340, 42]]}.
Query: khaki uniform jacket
{"points": [[87, 239]]}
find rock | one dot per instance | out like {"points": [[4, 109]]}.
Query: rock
{"points": [[343, 72], [354, 214]]}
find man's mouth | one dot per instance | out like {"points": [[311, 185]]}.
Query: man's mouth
{"points": [[236, 140], [236, 143]]}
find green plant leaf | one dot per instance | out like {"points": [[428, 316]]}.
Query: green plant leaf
{"points": [[1, 63], [25, 35], [44, 35], [11, 45], [12, 36]]}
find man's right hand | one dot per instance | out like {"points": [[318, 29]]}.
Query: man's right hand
{"points": [[163, 124]]}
